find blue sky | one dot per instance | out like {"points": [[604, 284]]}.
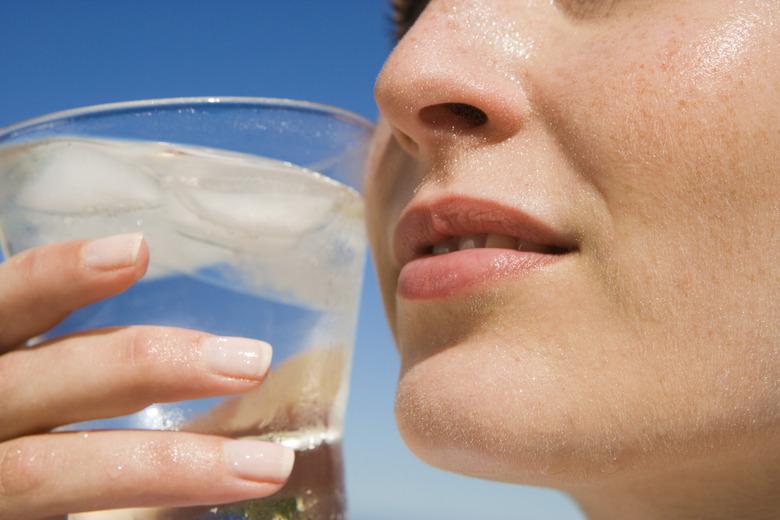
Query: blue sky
{"points": [[63, 54]]}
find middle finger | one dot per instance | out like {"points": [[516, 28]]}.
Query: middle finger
{"points": [[113, 372]]}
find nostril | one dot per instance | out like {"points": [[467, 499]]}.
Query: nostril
{"points": [[455, 116], [469, 113]]}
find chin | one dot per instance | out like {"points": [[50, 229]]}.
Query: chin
{"points": [[508, 415]]}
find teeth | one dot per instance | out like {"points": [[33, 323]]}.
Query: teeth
{"points": [[471, 242], [501, 242], [445, 247], [491, 241], [528, 246]]}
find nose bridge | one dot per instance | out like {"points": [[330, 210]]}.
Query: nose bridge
{"points": [[459, 59]]}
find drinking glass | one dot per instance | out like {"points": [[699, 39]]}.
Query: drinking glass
{"points": [[252, 211]]}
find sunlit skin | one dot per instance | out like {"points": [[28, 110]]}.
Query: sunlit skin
{"points": [[641, 371]]}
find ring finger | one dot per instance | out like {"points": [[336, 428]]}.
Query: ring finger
{"points": [[47, 475]]}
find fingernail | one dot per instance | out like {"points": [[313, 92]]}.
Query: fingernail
{"points": [[258, 461], [112, 252], [236, 357]]}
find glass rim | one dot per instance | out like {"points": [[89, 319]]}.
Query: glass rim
{"points": [[215, 101]]}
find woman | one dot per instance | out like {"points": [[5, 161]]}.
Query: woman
{"points": [[573, 209], [631, 356]]}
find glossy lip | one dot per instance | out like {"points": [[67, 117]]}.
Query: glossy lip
{"points": [[453, 273], [424, 224], [424, 275]]}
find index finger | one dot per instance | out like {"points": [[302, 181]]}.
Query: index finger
{"points": [[41, 286]]}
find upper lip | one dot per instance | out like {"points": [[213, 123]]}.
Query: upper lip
{"points": [[425, 224]]}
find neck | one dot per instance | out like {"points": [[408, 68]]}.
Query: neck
{"points": [[744, 483]]}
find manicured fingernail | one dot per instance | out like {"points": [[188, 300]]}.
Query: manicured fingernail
{"points": [[112, 252], [236, 357], [259, 461]]}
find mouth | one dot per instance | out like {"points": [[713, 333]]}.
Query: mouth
{"points": [[491, 241], [458, 243]]}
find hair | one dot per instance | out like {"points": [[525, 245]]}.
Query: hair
{"points": [[405, 12]]}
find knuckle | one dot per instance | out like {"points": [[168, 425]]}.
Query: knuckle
{"points": [[10, 371], [6, 313], [22, 465], [29, 295], [163, 453], [25, 265], [9, 366], [172, 457], [141, 346], [149, 346]]}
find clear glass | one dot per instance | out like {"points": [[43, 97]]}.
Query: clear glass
{"points": [[254, 220]]}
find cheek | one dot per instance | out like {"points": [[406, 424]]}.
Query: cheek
{"points": [[678, 131], [391, 179]]}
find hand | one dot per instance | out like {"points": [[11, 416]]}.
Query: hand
{"points": [[107, 373]]}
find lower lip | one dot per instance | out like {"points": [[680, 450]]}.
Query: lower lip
{"points": [[454, 273]]}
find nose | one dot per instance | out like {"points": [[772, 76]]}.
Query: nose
{"points": [[451, 78]]}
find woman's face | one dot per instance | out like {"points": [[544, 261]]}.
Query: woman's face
{"points": [[634, 145]]}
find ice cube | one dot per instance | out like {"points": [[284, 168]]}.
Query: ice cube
{"points": [[253, 196], [77, 177], [261, 214]]}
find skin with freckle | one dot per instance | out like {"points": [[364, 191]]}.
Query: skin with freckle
{"points": [[643, 369]]}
